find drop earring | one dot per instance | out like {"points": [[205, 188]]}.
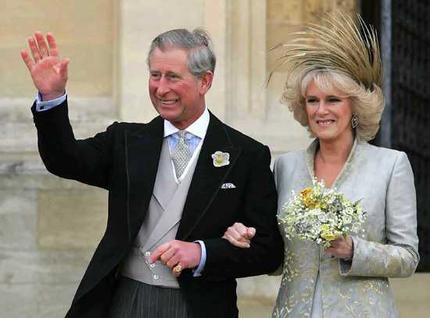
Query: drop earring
{"points": [[354, 121]]}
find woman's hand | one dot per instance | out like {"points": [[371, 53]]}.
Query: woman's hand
{"points": [[239, 235], [342, 247]]}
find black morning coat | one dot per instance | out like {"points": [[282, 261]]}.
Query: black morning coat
{"points": [[124, 160]]}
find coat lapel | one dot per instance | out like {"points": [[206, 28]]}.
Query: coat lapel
{"points": [[143, 150], [207, 178]]}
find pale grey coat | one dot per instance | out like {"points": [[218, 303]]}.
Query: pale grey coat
{"points": [[388, 247]]}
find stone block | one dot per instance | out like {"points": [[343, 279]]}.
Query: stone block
{"points": [[84, 31], [284, 11], [39, 283], [35, 301], [17, 219], [254, 308], [412, 295], [70, 219], [263, 287], [42, 266]]}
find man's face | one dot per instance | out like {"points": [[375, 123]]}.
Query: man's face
{"points": [[177, 95]]}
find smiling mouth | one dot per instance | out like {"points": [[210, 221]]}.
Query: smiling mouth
{"points": [[325, 122], [168, 101]]}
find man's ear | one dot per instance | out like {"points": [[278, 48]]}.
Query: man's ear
{"points": [[206, 82]]}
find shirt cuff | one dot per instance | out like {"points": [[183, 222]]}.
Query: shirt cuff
{"points": [[198, 271], [42, 106]]}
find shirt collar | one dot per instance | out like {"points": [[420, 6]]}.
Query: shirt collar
{"points": [[197, 128]]}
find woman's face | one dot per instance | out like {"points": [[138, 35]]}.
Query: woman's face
{"points": [[329, 114]]}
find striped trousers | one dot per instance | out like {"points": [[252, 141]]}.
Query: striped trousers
{"points": [[134, 299]]}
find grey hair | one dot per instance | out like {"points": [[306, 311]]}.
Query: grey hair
{"points": [[201, 56], [367, 104]]}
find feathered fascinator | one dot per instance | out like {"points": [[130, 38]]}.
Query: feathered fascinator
{"points": [[339, 44]]}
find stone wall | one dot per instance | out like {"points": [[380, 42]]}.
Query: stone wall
{"points": [[50, 226]]}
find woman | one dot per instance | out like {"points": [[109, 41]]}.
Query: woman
{"points": [[333, 89]]}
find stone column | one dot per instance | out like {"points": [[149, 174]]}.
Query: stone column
{"points": [[246, 60], [140, 21]]}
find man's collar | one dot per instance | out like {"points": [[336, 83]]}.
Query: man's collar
{"points": [[197, 128]]}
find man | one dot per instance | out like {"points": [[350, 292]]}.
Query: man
{"points": [[175, 184]]}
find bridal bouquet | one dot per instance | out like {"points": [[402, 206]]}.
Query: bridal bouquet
{"points": [[321, 215]]}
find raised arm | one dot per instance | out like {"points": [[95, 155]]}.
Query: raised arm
{"points": [[47, 69], [85, 160]]}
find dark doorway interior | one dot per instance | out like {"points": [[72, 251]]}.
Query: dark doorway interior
{"points": [[409, 109]]}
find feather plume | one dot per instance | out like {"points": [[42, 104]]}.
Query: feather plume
{"points": [[339, 43]]}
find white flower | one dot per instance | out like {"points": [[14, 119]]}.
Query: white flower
{"points": [[221, 159], [347, 219], [320, 215]]}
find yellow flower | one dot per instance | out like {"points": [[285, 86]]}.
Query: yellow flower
{"points": [[327, 234], [325, 227], [321, 205], [306, 194]]}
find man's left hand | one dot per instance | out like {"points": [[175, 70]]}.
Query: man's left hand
{"points": [[178, 255]]}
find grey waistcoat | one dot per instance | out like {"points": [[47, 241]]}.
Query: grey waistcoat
{"points": [[160, 225]]}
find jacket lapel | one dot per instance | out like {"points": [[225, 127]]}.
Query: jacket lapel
{"points": [[143, 150], [207, 178]]}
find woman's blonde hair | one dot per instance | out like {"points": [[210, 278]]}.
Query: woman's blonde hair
{"points": [[367, 104]]}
